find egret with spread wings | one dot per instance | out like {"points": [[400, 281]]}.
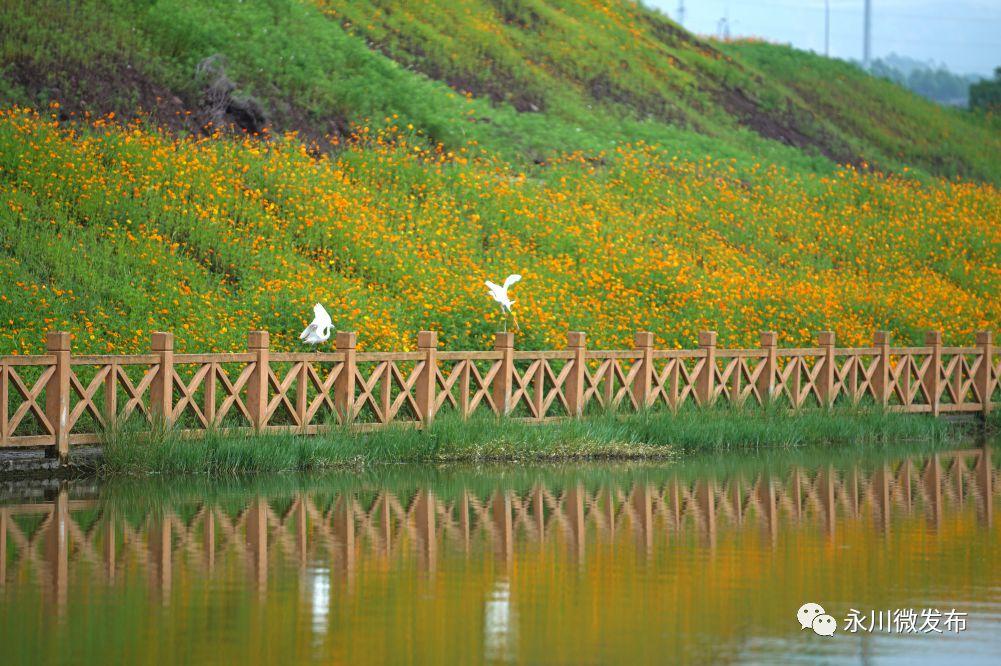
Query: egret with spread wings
{"points": [[319, 330], [499, 294]]}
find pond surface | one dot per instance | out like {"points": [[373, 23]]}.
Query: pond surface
{"points": [[702, 560]]}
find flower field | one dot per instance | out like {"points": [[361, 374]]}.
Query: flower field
{"points": [[112, 232]]}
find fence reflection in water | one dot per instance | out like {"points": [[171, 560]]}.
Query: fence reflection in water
{"points": [[48, 541]]}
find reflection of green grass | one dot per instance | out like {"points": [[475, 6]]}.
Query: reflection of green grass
{"points": [[484, 439], [139, 497]]}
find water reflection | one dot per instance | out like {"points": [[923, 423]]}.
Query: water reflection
{"points": [[318, 586], [547, 564], [499, 635]]}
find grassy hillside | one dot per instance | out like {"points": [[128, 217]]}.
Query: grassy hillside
{"points": [[882, 115], [638, 177], [523, 79], [116, 232]]}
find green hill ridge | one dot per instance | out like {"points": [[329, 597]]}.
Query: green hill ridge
{"points": [[544, 77]]}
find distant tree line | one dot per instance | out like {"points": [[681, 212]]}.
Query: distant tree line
{"points": [[930, 80], [986, 94]]}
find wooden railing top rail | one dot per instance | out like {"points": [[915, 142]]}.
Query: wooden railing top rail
{"points": [[367, 357], [681, 353], [801, 351], [38, 359], [898, 351], [327, 357], [129, 359], [213, 358], [601, 354], [851, 351], [733, 353], [540, 354], [311, 357], [470, 355]]}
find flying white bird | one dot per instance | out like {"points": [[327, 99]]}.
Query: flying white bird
{"points": [[499, 294], [319, 330]]}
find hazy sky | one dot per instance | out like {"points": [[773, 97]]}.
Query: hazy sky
{"points": [[964, 34]]}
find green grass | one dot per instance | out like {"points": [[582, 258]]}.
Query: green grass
{"points": [[648, 435]]}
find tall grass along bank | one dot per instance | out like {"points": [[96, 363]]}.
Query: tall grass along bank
{"points": [[647, 435]]}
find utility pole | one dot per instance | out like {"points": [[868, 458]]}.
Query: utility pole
{"points": [[681, 13], [867, 35], [723, 27], [827, 28]]}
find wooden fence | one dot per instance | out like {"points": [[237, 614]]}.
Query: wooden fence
{"points": [[59, 399]]}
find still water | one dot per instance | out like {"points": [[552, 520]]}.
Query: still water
{"points": [[705, 560]]}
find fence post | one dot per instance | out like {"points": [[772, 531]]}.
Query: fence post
{"points": [[826, 387], [576, 343], [111, 396], [4, 416], [161, 391], [881, 376], [707, 375], [57, 395], [504, 342], [643, 342], [344, 385], [933, 374], [258, 343], [427, 343], [766, 380], [984, 379]]}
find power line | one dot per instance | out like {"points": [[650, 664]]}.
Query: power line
{"points": [[849, 10], [927, 17], [939, 42]]}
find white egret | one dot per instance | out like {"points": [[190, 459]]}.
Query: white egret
{"points": [[319, 330], [500, 295]]}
